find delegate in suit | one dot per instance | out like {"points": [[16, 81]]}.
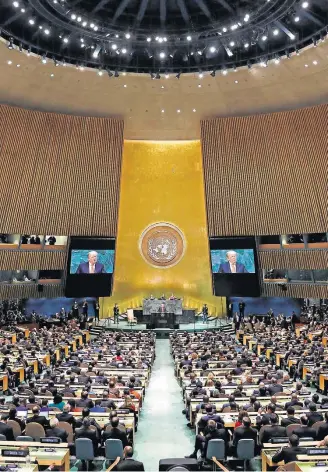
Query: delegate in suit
{"points": [[92, 266], [232, 266]]}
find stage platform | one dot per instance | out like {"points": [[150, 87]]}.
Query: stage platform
{"points": [[123, 325]]}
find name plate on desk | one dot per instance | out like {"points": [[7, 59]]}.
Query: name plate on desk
{"points": [[279, 440], [317, 452], [15, 452], [50, 440]]}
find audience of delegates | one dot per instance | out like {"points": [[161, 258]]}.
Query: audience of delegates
{"points": [[227, 383], [82, 381]]}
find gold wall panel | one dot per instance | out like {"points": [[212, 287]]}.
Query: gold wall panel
{"points": [[162, 182]]}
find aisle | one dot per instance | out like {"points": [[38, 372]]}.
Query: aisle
{"points": [[162, 431]]}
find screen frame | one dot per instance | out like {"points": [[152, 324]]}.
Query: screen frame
{"points": [[89, 285], [235, 285]]}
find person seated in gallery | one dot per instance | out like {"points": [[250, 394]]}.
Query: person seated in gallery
{"points": [[162, 297], [172, 297]]}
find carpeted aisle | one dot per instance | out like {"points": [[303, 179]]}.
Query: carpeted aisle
{"points": [[162, 430]]}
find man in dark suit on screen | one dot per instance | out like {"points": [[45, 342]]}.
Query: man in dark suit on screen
{"points": [[92, 266], [232, 266]]}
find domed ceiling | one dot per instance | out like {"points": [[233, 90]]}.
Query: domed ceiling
{"points": [[163, 36]]}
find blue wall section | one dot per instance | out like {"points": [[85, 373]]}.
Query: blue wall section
{"points": [[50, 306], [262, 305]]}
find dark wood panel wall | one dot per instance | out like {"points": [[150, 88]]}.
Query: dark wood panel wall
{"points": [[32, 260], [30, 291], [60, 174], [292, 259], [268, 174]]}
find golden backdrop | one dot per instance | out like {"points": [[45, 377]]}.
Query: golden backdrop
{"points": [[162, 182]]}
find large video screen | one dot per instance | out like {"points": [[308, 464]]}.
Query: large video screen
{"points": [[234, 266], [90, 267], [92, 261], [233, 261]]}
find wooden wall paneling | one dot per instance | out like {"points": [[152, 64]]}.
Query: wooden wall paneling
{"points": [[60, 173], [32, 260], [30, 291], [295, 291], [266, 174], [293, 259]]}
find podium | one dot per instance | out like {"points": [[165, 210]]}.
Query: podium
{"points": [[162, 320], [153, 316]]}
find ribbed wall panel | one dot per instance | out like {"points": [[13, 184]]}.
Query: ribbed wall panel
{"points": [[293, 259], [267, 174], [60, 174], [295, 291], [32, 260], [30, 291]]}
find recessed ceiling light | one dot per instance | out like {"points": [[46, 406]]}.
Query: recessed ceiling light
{"points": [[23, 10], [65, 40], [297, 19], [9, 63], [275, 32], [188, 38], [123, 51], [92, 25], [264, 37], [162, 55], [199, 85], [224, 30], [18, 65], [194, 110], [52, 75], [128, 35], [73, 16], [212, 49], [236, 81], [178, 111], [31, 21], [124, 85], [114, 46], [79, 19], [225, 71], [162, 86], [315, 63], [305, 4], [306, 65], [163, 111], [232, 43], [246, 45], [16, 4], [148, 39]]}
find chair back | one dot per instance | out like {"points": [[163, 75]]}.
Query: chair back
{"points": [[69, 430], [246, 449], [215, 448], [315, 426], [113, 449], [291, 428], [262, 429], [84, 449], [16, 428], [298, 407], [24, 438], [3, 437], [226, 409], [35, 430]]}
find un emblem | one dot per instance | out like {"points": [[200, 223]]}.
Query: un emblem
{"points": [[162, 245]]}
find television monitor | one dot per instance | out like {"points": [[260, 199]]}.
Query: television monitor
{"points": [[234, 266], [90, 267]]}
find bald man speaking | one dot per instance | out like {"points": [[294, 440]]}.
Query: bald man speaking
{"points": [[92, 266], [232, 266]]}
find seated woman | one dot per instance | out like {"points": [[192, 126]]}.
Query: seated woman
{"points": [[57, 402]]}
